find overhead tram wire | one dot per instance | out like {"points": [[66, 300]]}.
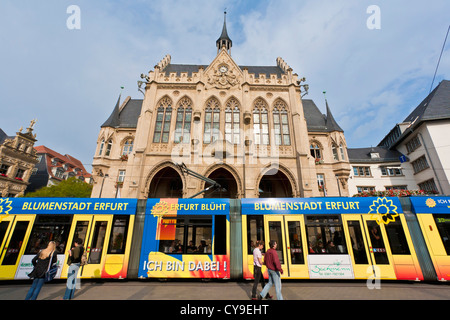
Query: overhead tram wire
{"points": [[442, 50]]}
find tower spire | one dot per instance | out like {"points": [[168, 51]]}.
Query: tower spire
{"points": [[224, 41]]}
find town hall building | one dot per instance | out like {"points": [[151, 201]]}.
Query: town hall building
{"points": [[220, 130]]}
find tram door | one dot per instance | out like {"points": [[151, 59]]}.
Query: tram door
{"points": [[94, 230], [370, 249], [14, 233], [436, 230], [274, 230], [296, 247]]}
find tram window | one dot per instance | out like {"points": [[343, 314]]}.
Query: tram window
{"points": [[255, 231], [325, 235], [396, 237], [98, 240], [276, 235], [443, 225], [376, 239], [356, 238], [3, 227], [49, 228], [220, 234], [81, 229], [200, 234], [295, 242], [118, 237], [175, 245], [193, 234], [15, 244]]}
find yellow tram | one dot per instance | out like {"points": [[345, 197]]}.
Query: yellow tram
{"points": [[104, 225], [433, 214], [332, 238]]}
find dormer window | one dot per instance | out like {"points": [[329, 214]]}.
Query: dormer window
{"points": [[59, 173]]}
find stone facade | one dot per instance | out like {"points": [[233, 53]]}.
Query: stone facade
{"points": [[17, 160], [245, 127]]}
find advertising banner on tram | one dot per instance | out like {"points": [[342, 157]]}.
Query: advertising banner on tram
{"points": [[321, 205], [431, 204], [383, 209], [67, 206], [186, 238]]}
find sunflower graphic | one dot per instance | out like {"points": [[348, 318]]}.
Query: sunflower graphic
{"points": [[383, 210], [430, 203], [5, 207], [160, 209]]}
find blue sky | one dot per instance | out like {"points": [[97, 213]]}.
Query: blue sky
{"points": [[70, 79]]}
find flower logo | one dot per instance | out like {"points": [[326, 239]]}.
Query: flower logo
{"points": [[430, 203], [5, 207], [160, 209], [383, 210]]}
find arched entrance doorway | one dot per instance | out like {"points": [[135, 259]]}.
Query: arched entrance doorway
{"points": [[228, 189], [166, 183], [275, 184]]}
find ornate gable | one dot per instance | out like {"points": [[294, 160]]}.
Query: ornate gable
{"points": [[223, 72]]}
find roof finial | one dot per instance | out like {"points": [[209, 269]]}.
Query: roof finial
{"points": [[224, 41]]}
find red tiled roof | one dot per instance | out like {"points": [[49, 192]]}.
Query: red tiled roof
{"points": [[64, 159]]}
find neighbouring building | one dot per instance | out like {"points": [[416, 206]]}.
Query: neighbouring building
{"points": [[378, 169], [421, 141], [247, 128], [17, 160], [53, 167]]}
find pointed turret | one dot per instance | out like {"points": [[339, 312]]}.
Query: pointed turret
{"points": [[224, 41], [330, 123], [113, 120]]}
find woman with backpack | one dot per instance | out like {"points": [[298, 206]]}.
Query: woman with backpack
{"points": [[74, 262], [41, 262]]}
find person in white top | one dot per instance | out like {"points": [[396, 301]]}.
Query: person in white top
{"points": [[257, 265]]}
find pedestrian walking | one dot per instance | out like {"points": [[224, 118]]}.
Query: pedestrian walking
{"points": [[257, 265], [273, 265], [41, 263], [73, 261]]}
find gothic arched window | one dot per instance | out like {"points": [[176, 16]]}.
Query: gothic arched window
{"points": [[127, 147], [102, 144], [315, 151], [183, 121], [341, 149], [163, 119], [260, 122], [281, 124], [212, 121], [335, 153], [108, 148], [232, 116]]}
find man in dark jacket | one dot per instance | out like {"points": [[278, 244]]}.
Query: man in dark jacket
{"points": [[273, 265]]}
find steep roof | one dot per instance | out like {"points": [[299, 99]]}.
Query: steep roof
{"points": [[224, 35], [435, 106], [3, 136], [318, 122], [64, 159], [364, 154], [191, 68], [126, 115]]}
